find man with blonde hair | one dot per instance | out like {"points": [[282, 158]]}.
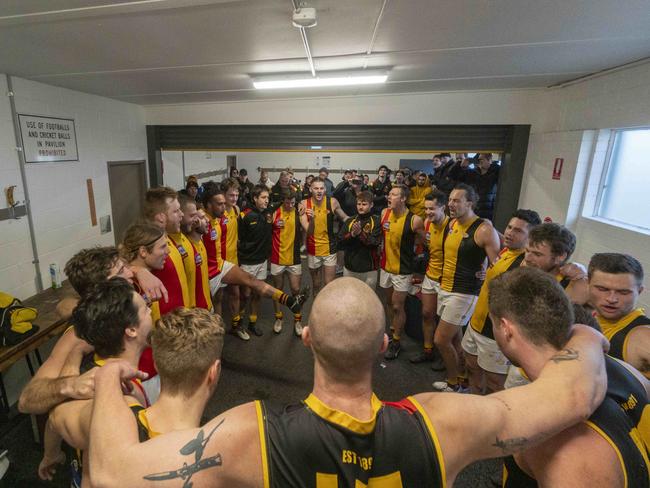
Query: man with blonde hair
{"points": [[342, 434], [187, 345]]}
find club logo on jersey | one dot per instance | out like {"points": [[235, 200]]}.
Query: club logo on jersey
{"points": [[182, 250], [428, 236], [198, 260], [386, 226], [225, 221], [213, 235], [367, 228]]}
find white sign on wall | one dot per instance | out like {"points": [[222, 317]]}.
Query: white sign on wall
{"points": [[48, 139]]}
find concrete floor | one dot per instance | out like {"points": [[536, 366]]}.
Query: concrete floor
{"points": [[274, 367]]}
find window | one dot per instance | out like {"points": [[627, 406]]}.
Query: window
{"points": [[625, 194]]}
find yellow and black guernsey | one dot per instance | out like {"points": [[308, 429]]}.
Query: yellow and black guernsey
{"points": [[508, 259], [145, 432], [463, 258], [618, 331], [311, 445], [623, 420], [323, 241], [435, 237], [398, 252]]}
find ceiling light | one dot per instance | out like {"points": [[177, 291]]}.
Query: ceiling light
{"points": [[333, 79]]}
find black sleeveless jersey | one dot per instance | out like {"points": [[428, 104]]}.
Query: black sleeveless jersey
{"points": [[623, 420], [310, 445], [463, 258]]}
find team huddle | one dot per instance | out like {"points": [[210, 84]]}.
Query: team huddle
{"points": [[127, 383]]}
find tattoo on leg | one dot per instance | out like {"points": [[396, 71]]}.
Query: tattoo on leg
{"points": [[566, 355], [196, 446]]}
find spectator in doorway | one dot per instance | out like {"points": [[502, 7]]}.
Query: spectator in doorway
{"points": [[306, 189], [191, 188], [484, 178], [245, 189], [264, 179], [329, 184], [380, 189]]}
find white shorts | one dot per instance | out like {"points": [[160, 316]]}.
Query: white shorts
{"points": [[515, 378], [489, 356], [455, 308], [259, 271], [215, 281], [429, 286], [315, 262], [396, 281], [369, 277], [278, 269]]}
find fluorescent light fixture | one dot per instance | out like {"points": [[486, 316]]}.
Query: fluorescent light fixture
{"points": [[316, 147], [327, 79]]}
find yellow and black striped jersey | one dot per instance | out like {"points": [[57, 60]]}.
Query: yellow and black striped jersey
{"points": [[623, 420], [311, 445]]}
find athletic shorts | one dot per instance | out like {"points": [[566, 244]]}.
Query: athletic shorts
{"points": [[455, 308], [369, 277], [278, 269], [259, 271], [315, 262], [429, 286], [515, 378], [487, 352], [215, 281], [396, 281]]}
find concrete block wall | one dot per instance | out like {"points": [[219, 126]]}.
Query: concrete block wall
{"points": [[107, 130]]}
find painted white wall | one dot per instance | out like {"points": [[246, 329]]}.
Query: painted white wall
{"points": [[107, 130], [467, 107], [576, 130]]}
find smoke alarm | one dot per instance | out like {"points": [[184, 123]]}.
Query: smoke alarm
{"points": [[304, 17]]}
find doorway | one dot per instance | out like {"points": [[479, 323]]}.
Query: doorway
{"points": [[127, 186]]}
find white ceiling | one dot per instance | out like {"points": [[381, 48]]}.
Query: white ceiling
{"points": [[184, 51]]}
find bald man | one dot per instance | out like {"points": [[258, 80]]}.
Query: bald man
{"points": [[342, 434]]}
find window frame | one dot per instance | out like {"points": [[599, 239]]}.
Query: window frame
{"points": [[605, 177]]}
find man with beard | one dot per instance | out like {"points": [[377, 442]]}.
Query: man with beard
{"points": [[417, 194], [532, 320], [194, 226], [469, 241], [318, 223], [486, 364], [549, 248]]}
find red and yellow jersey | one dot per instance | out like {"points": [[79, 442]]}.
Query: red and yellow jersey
{"points": [[415, 201], [285, 246], [435, 234], [399, 242], [323, 241], [184, 246], [213, 247], [229, 235], [199, 282], [175, 280]]}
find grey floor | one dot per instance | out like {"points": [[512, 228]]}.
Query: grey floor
{"points": [[271, 366]]}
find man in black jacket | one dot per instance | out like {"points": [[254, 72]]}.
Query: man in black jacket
{"points": [[484, 178], [360, 237], [255, 232], [380, 189]]}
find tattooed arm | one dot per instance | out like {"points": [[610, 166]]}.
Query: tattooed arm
{"points": [[569, 388], [225, 452]]}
